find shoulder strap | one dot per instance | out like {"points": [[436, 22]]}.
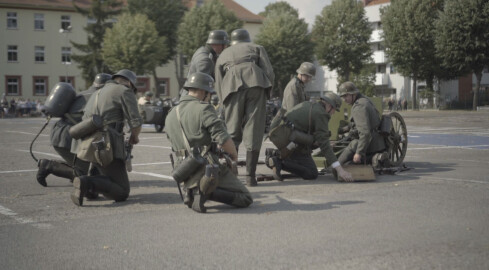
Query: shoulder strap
{"points": [[310, 119], [187, 145]]}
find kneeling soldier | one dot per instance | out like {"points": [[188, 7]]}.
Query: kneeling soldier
{"points": [[308, 123], [191, 127]]}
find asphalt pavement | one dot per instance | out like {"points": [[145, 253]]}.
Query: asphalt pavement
{"points": [[434, 216]]}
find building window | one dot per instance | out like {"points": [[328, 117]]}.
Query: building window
{"points": [[162, 87], [392, 69], [12, 53], [381, 68], [13, 85], [66, 55], [66, 22], [380, 47], [11, 20], [68, 79], [40, 86], [39, 54], [38, 21], [142, 84]]}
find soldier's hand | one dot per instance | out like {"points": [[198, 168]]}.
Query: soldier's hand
{"points": [[344, 175], [357, 158], [133, 139]]}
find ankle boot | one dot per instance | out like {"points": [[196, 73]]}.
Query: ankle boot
{"points": [[223, 196], [251, 162], [199, 200]]}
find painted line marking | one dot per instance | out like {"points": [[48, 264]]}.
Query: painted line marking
{"points": [[18, 171], [21, 132], [299, 201], [157, 175], [154, 163], [472, 147], [23, 220], [152, 146], [456, 180], [41, 153]]}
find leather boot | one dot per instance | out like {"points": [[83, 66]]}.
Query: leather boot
{"points": [[276, 164], [223, 196], [251, 162], [81, 186], [188, 198], [58, 168], [199, 200], [43, 171]]}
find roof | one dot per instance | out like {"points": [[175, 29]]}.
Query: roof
{"points": [[241, 12], [378, 2]]}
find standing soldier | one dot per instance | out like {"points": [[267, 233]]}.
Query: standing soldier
{"points": [[295, 91], [244, 79], [204, 59], [115, 102], [61, 139], [310, 123], [365, 120], [194, 124]]}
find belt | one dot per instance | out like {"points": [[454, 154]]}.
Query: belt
{"points": [[246, 59], [118, 126]]}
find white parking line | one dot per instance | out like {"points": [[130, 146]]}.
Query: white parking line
{"points": [[23, 220], [152, 146], [157, 175], [456, 180], [41, 153], [451, 147], [22, 132]]}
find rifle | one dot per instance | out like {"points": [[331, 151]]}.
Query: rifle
{"points": [[129, 156]]}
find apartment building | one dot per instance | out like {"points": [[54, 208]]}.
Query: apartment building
{"points": [[35, 48]]}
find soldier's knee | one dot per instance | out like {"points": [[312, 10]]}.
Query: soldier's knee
{"points": [[243, 200], [312, 175]]}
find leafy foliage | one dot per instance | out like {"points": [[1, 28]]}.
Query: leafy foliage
{"points": [[288, 44], [462, 40], [166, 15], [133, 43], [199, 21], [279, 8], [91, 62], [364, 80], [341, 33]]}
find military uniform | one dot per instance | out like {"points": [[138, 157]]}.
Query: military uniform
{"points": [[115, 103], [366, 121], [201, 126], [61, 141], [312, 118], [244, 79], [294, 94], [203, 60]]}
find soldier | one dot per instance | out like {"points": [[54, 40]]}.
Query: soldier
{"points": [[204, 59], [244, 79], [365, 121], [308, 118], [198, 121], [295, 91], [146, 99], [61, 139], [115, 102]]}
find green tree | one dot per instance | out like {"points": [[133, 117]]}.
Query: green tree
{"points": [[166, 15], [280, 8], [288, 43], [364, 80], [409, 34], [91, 62], [341, 34], [133, 43], [462, 40]]}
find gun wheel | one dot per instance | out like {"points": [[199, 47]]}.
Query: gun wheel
{"points": [[398, 140]]}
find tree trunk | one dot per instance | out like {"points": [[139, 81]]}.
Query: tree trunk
{"points": [[475, 102], [415, 92], [179, 70], [157, 91]]}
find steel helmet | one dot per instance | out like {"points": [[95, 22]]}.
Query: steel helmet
{"points": [[329, 101], [148, 94], [240, 35], [101, 79], [218, 37], [347, 88], [337, 100], [307, 69], [127, 74], [200, 80]]}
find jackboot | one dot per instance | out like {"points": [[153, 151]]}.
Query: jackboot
{"points": [[251, 162], [188, 198], [223, 196], [58, 168], [199, 200], [276, 164], [81, 186]]}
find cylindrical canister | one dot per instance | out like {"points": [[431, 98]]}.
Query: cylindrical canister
{"points": [[86, 127]]}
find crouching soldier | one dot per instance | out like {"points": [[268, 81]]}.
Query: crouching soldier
{"points": [[191, 127], [304, 125]]}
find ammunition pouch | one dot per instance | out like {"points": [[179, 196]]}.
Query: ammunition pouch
{"points": [[86, 127], [96, 148], [385, 125], [301, 137], [209, 182]]}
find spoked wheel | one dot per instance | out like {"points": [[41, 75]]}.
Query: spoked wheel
{"points": [[398, 140]]}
